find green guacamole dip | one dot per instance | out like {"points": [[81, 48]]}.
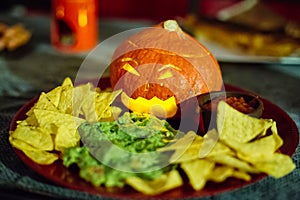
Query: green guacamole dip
{"points": [[113, 151]]}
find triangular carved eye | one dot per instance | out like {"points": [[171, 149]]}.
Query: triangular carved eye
{"points": [[128, 67], [165, 75]]}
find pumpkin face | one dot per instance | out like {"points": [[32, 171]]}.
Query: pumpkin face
{"points": [[164, 62]]}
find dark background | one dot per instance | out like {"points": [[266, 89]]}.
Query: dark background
{"points": [[156, 9]]}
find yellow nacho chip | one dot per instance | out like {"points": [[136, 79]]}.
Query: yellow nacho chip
{"points": [[110, 114], [255, 149], [88, 107], [185, 148], [163, 183], [37, 137], [277, 165], [51, 120], [103, 101], [182, 142], [20, 144], [42, 103], [80, 93], [234, 125], [241, 175], [65, 104], [212, 146], [234, 162], [97, 103], [41, 157], [261, 147], [198, 172], [54, 96], [67, 82], [278, 140], [66, 138], [221, 173]]}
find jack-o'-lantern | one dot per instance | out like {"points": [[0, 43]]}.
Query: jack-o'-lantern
{"points": [[165, 66]]}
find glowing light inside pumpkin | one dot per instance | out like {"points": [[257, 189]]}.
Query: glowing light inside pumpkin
{"points": [[161, 108], [128, 67]]}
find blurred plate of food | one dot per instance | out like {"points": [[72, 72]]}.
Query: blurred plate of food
{"points": [[246, 31], [13, 36], [232, 43]]}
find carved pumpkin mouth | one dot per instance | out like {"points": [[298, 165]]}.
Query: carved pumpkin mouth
{"points": [[160, 108], [150, 90]]}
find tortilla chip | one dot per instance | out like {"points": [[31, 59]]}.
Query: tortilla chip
{"points": [[96, 105], [103, 100], [186, 148], [41, 157], [37, 137], [212, 146], [65, 104], [237, 126], [234, 162], [20, 144], [278, 140], [198, 172], [42, 103], [241, 175], [79, 94], [221, 173], [110, 114], [66, 138], [165, 182], [51, 120], [54, 95], [88, 107], [277, 165], [262, 147], [67, 82]]}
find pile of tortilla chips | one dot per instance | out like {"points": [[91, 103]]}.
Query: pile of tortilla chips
{"points": [[242, 146], [51, 124]]}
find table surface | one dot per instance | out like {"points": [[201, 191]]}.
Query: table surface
{"points": [[38, 67]]}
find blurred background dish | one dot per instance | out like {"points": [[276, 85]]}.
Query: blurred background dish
{"points": [[230, 42], [247, 31], [251, 31], [13, 37]]}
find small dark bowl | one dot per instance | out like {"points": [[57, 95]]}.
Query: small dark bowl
{"points": [[208, 113]]}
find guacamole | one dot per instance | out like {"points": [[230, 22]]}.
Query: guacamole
{"points": [[113, 151]]}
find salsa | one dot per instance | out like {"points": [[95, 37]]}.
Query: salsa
{"points": [[238, 103]]}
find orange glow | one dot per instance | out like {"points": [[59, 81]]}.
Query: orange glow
{"points": [[82, 17], [60, 12], [80, 24]]}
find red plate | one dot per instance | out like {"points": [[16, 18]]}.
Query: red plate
{"points": [[62, 176]]}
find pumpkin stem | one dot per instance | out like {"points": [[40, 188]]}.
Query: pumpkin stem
{"points": [[171, 25]]}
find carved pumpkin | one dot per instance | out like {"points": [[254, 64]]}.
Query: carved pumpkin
{"points": [[164, 62]]}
